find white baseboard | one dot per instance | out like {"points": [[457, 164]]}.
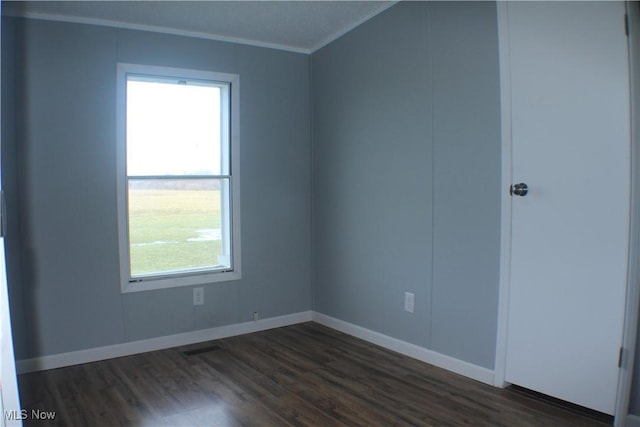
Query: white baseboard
{"points": [[632, 421], [152, 344], [449, 363], [126, 349]]}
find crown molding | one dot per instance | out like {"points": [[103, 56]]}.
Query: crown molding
{"points": [[157, 29]]}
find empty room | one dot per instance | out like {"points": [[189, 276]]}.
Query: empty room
{"points": [[318, 213]]}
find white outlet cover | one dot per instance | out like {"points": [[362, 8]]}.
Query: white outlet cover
{"points": [[198, 296], [409, 302]]}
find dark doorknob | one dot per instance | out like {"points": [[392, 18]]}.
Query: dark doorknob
{"points": [[520, 189]]}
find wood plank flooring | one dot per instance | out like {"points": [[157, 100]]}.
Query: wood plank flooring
{"points": [[301, 375]]}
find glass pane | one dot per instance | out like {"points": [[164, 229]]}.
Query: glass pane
{"points": [[176, 225], [173, 129]]}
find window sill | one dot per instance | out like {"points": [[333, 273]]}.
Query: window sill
{"points": [[175, 282]]}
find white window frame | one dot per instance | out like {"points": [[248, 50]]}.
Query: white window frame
{"points": [[183, 278]]}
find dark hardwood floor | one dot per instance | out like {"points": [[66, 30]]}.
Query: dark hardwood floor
{"points": [[301, 375]]}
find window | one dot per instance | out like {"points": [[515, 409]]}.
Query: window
{"points": [[178, 189]]}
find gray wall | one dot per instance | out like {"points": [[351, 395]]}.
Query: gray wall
{"points": [[406, 149], [59, 172]]}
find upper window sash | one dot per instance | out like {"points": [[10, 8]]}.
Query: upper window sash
{"points": [[153, 150]]}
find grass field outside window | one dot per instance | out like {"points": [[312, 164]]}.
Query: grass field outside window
{"points": [[173, 229]]}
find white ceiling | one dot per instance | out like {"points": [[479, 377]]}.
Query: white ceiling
{"points": [[301, 26]]}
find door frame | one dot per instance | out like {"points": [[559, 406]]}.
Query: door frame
{"points": [[632, 303], [9, 396], [630, 328], [505, 198]]}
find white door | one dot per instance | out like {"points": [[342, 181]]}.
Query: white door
{"points": [[570, 135]]}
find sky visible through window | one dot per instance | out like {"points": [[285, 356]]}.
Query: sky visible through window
{"points": [[172, 129]]}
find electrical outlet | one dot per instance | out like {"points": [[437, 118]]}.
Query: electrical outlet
{"points": [[409, 300], [256, 316], [198, 296]]}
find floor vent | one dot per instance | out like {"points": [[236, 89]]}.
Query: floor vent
{"points": [[201, 350]]}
